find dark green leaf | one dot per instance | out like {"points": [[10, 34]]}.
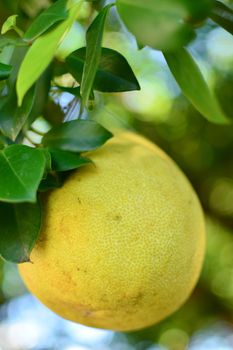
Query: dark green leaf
{"points": [[13, 56], [76, 136], [59, 68], [13, 117], [54, 14], [223, 15], [20, 228], [163, 24], [21, 170], [198, 10], [52, 181], [159, 23], [5, 41], [42, 89], [224, 93], [48, 164], [3, 142], [114, 74], [5, 71], [93, 53], [73, 91], [193, 85], [65, 160]]}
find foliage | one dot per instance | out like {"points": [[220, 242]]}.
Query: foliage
{"points": [[34, 159]]}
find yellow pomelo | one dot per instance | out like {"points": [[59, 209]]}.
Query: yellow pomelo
{"points": [[122, 242]]}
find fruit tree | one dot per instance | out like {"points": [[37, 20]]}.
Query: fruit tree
{"points": [[105, 227]]}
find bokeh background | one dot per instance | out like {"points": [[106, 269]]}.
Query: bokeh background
{"points": [[205, 153]]}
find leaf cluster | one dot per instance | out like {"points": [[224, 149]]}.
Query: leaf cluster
{"points": [[28, 70]]}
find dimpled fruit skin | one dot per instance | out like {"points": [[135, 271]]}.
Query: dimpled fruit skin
{"points": [[122, 242]]}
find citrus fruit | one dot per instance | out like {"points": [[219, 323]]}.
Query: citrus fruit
{"points": [[122, 241]]}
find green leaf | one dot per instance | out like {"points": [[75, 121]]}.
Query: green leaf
{"points": [[5, 71], [192, 83], [42, 89], [21, 170], [73, 91], [198, 10], [94, 38], [52, 181], [76, 136], [13, 117], [6, 54], [223, 15], [114, 74], [65, 160], [163, 24], [9, 24], [41, 53], [57, 12], [5, 41], [20, 228], [12, 55], [158, 23], [2, 142], [48, 164]]}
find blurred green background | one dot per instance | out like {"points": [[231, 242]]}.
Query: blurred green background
{"points": [[205, 153]]}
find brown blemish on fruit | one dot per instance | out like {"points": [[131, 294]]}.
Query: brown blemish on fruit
{"points": [[117, 217]]}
